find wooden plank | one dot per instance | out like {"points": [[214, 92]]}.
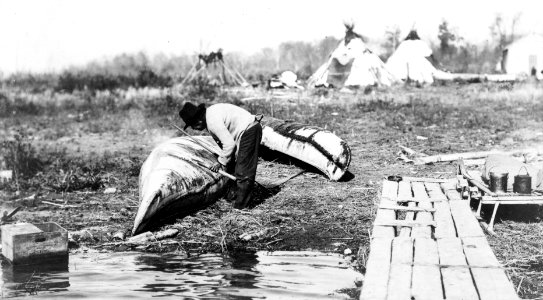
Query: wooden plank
{"points": [[453, 195], [513, 198], [388, 193], [405, 223], [450, 191], [445, 224], [493, 284], [399, 283], [384, 216], [424, 179], [426, 252], [382, 232], [377, 270], [449, 185], [442, 216], [454, 156], [419, 190], [457, 281], [478, 253], [400, 200], [458, 284], [434, 191], [390, 190], [513, 202], [444, 220], [461, 183], [426, 275], [405, 192], [464, 220], [451, 252], [407, 208], [490, 280]]}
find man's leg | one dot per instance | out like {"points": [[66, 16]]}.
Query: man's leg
{"points": [[246, 164]]}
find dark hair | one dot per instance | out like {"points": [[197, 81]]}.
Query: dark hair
{"points": [[191, 113]]}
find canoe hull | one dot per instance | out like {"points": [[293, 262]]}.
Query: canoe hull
{"points": [[315, 146], [175, 182]]}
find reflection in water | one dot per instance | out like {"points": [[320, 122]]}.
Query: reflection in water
{"points": [[23, 280], [261, 275]]}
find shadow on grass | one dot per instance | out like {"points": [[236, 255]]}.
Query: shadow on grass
{"points": [[526, 213], [261, 194]]}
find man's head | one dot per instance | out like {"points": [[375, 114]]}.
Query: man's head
{"points": [[193, 116]]}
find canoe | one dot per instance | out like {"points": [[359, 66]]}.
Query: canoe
{"points": [[313, 145], [175, 181]]}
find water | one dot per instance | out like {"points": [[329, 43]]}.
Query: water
{"points": [[260, 275]]}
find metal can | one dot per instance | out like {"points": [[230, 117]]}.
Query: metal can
{"points": [[523, 183], [498, 182]]}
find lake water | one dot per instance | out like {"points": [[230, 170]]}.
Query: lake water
{"points": [[260, 275]]}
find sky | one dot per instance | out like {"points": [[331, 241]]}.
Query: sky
{"points": [[49, 35]]}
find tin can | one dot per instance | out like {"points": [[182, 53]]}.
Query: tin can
{"points": [[522, 183], [498, 182]]}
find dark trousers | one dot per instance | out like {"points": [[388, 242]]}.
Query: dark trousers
{"points": [[246, 164]]}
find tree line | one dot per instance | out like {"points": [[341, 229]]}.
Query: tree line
{"points": [[451, 52]]}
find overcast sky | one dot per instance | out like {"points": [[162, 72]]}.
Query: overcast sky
{"points": [[46, 35]]}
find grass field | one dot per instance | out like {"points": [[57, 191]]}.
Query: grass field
{"points": [[67, 149]]}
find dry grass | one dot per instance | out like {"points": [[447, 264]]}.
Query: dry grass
{"points": [[114, 134]]}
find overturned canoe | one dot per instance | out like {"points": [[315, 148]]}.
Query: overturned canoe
{"points": [[175, 181], [313, 145]]}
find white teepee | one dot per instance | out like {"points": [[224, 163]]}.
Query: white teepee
{"points": [[410, 61], [352, 64], [524, 57]]}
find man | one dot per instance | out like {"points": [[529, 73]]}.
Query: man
{"points": [[238, 134]]}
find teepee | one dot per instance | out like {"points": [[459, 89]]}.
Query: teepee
{"points": [[524, 57], [410, 61], [213, 68], [351, 64]]}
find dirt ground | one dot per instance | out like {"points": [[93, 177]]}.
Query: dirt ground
{"points": [[81, 152]]}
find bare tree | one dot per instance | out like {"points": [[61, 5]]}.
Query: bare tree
{"points": [[503, 33], [392, 40]]}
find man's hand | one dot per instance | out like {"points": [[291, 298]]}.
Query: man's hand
{"points": [[217, 167]]}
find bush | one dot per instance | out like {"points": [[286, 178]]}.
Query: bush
{"points": [[21, 157], [79, 81], [201, 88]]}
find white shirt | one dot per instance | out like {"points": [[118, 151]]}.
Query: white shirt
{"points": [[226, 123]]}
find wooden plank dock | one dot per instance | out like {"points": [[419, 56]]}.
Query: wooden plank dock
{"points": [[427, 244]]}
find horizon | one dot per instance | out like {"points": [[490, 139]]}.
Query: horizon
{"points": [[49, 36]]}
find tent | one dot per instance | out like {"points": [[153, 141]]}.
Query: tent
{"points": [[287, 79], [352, 64], [524, 57], [410, 60], [213, 67]]}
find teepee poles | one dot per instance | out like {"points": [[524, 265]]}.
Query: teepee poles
{"points": [[226, 74]]}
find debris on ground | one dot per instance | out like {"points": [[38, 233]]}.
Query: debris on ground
{"points": [[254, 235], [110, 190], [8, 217], [149, 236], [526, 154]]}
